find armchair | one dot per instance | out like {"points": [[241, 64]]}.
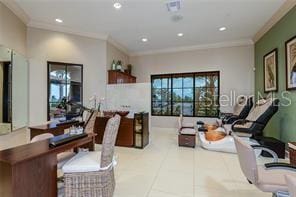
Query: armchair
{"points": [[258, 117], [240, 111], [267, 178], [91, 174]]}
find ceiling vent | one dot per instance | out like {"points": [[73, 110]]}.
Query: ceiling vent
{"points": [[174, 5]]}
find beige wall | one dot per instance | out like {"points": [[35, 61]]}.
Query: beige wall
{"points": [[46, 46], [13, 34], [16, 138], [113, 53], [234, 63], [12, 30]]}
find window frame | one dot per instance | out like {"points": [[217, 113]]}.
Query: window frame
{"points": [[65, 83], [183, 75]]}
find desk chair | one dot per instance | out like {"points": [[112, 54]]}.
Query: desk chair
{"points": [[91, 174], [267, 178]]}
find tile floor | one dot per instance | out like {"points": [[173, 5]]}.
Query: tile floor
{"points": [[163, 169]]}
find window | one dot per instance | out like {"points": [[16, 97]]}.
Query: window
{"points": [[193, 94], [64, 84]]}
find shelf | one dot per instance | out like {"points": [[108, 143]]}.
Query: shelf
{"points": [[118, 77], [141, 130]]}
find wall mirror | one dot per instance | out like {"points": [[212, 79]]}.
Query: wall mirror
{"points": [[14, 82], [65, 85]]}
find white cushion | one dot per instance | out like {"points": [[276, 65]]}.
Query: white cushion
{"points": [[188, 131], [63, 158], [273, 180], [188, 124], [83, 162], [239, 106]]}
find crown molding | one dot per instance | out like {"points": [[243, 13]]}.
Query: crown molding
{"points": [[64, 29], [118, 45], [17, 10], [196, 47], [276, 17]]}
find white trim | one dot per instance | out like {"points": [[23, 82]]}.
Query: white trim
{"points": [[280, 13], [196, 47], [118, 45], [64, 29], [17, 10]]}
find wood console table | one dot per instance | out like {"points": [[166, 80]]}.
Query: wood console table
{"points": [[53, 128], [31, 170], [125, 136]]}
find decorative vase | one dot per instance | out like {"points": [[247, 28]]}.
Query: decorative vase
{"points": [[113, 65]]}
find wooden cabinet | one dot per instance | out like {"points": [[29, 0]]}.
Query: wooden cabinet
{"points": [[125, 136], [118, 77], [186, 140], [141, 130], [133, 132]]}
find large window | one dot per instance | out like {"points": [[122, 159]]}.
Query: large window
{"points": [[192, 94], [64, 84]]}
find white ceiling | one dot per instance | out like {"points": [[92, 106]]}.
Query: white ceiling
{"points": [[150, 18]]}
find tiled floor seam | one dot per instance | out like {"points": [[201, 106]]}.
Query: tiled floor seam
{"points": [[158, 170]]}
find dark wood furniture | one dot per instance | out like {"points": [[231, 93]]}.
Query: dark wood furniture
{"points": [[292, 152], [53, 128], [118, 77], [125, 136], [141, 130], [187, 140], [31, 170], [274, 144]]}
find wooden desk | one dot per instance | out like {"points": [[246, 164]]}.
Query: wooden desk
{"points": [[31, 170], [53, 128]]}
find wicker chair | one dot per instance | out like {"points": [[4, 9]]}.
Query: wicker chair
{"points": [[90, 121], [91, 174]]}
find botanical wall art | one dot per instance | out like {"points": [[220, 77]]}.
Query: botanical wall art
{"points": [[270, 71], [291, 63]]}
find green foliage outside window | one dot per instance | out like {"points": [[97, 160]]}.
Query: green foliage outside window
{"points": [[192, 94]]}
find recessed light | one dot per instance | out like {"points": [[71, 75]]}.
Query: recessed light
{"points": [[117, 5], [58, 20], [144, 39], [222, 28], [180, 34]]}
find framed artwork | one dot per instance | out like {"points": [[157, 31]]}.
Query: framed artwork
{"points": [[270, 71], [291, 64]]}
